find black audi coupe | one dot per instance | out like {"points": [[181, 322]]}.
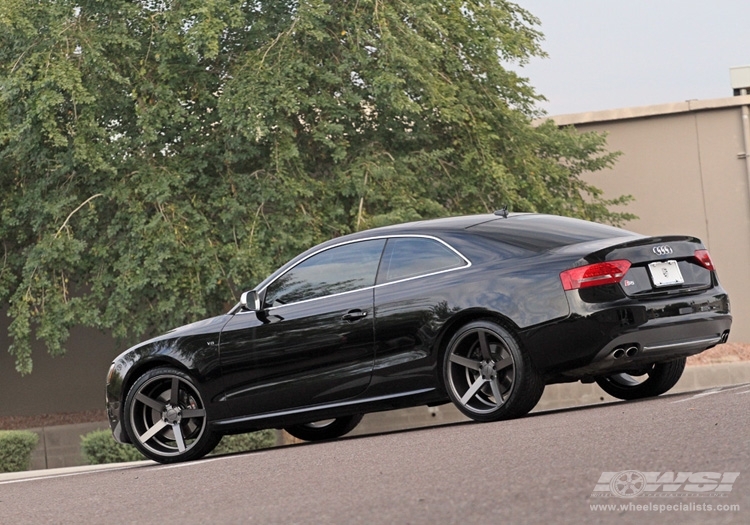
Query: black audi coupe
{"points": [[482, 311]]}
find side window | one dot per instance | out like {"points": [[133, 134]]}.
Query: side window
{"points": [[406, 257], [340, 269]]}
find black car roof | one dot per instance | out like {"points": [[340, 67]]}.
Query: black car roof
{"points": [[430, 225], [530, 231]]}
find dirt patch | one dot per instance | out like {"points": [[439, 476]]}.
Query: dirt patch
{"points": [[726, 353], [51, 420]]}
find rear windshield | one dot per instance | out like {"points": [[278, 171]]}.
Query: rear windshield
{"points": [[545, 232]]}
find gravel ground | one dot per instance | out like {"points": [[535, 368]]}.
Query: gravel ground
{"points": [[726, 353], [50, 420]]}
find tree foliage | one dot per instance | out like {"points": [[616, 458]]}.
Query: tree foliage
{"points": [[157, 157]]}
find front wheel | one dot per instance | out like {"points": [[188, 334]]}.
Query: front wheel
{"points": [[166, 418], [487, 375], [326, 429], [653, 381]]}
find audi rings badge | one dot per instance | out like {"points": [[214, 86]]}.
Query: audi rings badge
{"points": [[662, 250]]}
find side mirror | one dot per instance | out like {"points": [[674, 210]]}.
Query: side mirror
{"points": [[250, 301]]}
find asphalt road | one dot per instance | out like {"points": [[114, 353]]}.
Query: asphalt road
{"points": [[539, 469]]}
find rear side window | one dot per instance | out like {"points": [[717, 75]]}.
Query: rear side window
{"points": [[546, 232], [406, 257], [336, 270]]}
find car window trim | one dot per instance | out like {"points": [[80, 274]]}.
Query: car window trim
{"points": [[419, 275], [262, 291], [378, 237]]}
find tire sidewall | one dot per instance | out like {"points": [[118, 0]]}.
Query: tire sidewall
{"points": [[521, 368], [205, 443], [337, 428], [660, 380]]}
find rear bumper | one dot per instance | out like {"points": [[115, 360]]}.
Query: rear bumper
{"points": [[658, 341], [627, 334]]}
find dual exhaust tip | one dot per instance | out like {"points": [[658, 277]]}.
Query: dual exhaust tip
{"points": [[632, 351], [625, 351]]}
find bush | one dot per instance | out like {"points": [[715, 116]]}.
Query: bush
{"points": [[244, 442], [15, 449], [100, 447]]}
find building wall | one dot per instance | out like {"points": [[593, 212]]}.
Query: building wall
{"points": [[681, 163], [73, 382]]}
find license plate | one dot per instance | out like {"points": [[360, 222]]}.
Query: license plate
{"points": [[665, 273]]}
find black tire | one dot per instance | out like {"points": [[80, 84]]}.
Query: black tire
{"points": [[660, 377], [166, 418], [326, 429], [486, 374]]}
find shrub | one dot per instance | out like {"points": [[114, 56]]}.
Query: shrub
{"points": [[15, 449], [100, 447], [244, 442]]}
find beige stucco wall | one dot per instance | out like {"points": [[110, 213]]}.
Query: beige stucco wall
{"points": [[681, 164]]}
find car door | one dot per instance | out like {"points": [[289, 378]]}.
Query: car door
{"points": [[416, 283], [312, 341]]}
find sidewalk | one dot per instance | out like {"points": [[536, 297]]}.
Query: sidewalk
{"points": [[63, 442]]}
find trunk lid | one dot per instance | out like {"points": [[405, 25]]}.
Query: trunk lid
{"points": [[665, 265]]}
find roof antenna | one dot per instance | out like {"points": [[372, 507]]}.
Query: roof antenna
{"points": [[502, 212]]}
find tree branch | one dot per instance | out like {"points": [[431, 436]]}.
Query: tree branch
{"points": [[84, 203]]}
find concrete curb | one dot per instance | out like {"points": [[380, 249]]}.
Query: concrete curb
{"points": [[59, 448], [68, 471]]}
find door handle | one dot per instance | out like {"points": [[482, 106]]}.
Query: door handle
{"points": [[354, 315]]}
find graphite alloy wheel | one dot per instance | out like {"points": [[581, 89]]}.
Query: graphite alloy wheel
{"points": [[487, 375], [326, 429], [659, 378], [166, 417]]}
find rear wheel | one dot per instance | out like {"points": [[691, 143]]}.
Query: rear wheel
{"points": [[487, 375], [166, 418], [652, 381], [325, 429]]}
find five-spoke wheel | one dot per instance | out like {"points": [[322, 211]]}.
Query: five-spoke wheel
{"points": [[652, 381], [487, 375], [166, 417]]}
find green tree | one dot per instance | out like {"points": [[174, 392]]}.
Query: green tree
{"points": [[157, 157]]}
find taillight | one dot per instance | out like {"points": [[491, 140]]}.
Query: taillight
{"points": [[704, 259], [610, 272]]}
